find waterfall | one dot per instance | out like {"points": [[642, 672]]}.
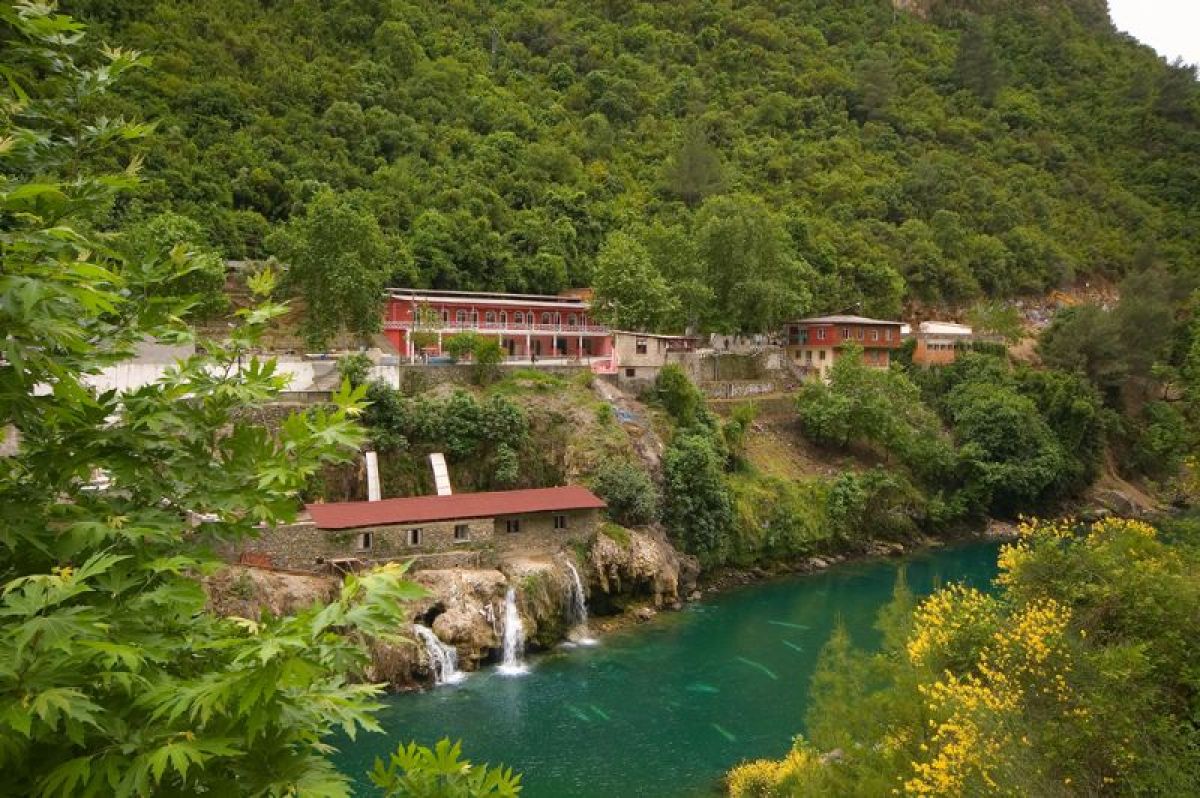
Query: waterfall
{"points": [[577, 602], [443, 659], [511, 663]]}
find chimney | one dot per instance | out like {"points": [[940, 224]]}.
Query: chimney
{"points": [[373, 492], [441, 474]]}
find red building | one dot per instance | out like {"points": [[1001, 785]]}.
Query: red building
{"points": [[526, 325], [815, 343]]}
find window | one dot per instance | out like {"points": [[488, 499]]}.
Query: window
{"points": [[490, 317], [475, 317], [639, 346], [445, 316], [365, 539], [460, 316], [630, 372], [462, 532], [874, 335], [504, 318], [560, 522], [545, 318], [808, 355], [519, 318], [858, 333], [512, 525], [804, 336], [821, 354], [820, 333], [414, 537], [887, 334], [572, 320]]}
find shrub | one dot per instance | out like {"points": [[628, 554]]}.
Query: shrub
{"points": [[354, 368], [696, 504], [630, 493], [678, 396]]}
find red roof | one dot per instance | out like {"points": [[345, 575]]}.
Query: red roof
{"points": [[422, 509]]}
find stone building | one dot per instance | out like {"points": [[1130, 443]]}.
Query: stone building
{"points": [[640, 356], [437, 529]]}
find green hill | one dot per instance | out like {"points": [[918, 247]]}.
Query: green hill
{"points": [[939, 152]]}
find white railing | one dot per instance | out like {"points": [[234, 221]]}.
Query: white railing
{"points": [[497, 327]]}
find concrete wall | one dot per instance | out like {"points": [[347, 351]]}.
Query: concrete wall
{"points": [[304, 547]]}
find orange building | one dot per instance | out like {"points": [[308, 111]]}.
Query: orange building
{"points": [[938, 342]]}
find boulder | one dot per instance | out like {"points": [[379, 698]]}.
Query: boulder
{"points": [[1117, 502], [467, 631], [644, 614]]}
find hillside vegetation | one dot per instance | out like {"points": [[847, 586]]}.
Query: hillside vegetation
{"points": [[758, 159]]}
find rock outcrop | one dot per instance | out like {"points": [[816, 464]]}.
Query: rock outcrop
{"points": [[642, 565], [244, 592]]}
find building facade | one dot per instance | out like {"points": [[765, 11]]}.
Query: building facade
{"points": [[351, 534], [814, 344], [640, 356], [529, 327], [938, 342]]}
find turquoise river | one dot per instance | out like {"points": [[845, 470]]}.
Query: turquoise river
{"points": [[664, 709]]}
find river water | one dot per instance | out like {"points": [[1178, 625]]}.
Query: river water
{"points": [[664, 709]]}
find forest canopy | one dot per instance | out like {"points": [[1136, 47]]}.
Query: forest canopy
{"points": [[855, 154]]}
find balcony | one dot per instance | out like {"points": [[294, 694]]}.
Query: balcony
{"points": [[449, 328]]}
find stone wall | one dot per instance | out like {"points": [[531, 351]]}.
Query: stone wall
{"points": [[304, 547], [538, 535], [735, 389]]}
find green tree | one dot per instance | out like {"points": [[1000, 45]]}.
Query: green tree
{"points": [[1001, 319], [696, 170], [975, 66], [114, 677], [628, 491], [338, 262], [678, 395], [630, 293], [696, 505], [461, 345], [203, 280], [756, 277], [1010, 455], [486, 357], [1085, 339]]}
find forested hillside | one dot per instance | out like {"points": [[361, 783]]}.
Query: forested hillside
{"points": [[764, 157]]}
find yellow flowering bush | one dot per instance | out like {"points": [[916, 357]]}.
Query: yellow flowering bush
{"points": [[796, 774], [1076, 677], [1024, 663], [950, 624]]}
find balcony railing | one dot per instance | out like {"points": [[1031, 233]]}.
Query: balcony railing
{"points": [[496, 327]]}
